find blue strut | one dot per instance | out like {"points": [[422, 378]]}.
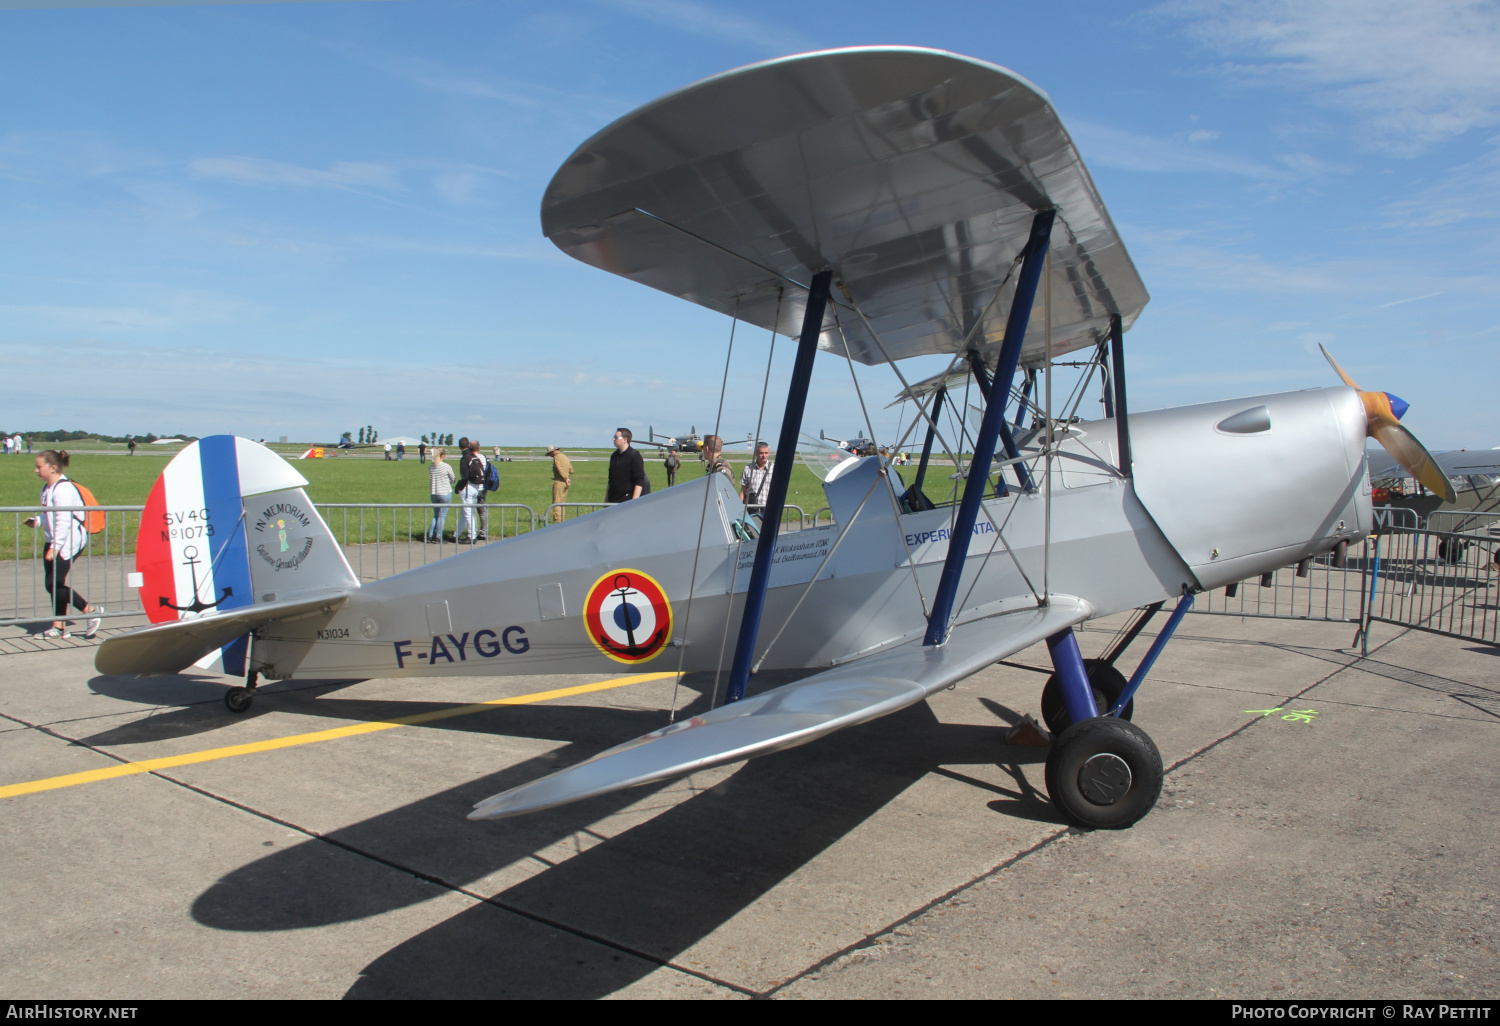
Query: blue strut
{"points": [[1073, 676], [1007, 440], [1183, 605], [1033, 260], [781, 479], [937, 408]]}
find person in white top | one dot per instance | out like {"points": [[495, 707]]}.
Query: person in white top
{"points": [[67, 534], [755, 480]]}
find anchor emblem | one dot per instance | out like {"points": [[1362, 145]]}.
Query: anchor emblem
{"points": [[627, 616], [190, 560]]}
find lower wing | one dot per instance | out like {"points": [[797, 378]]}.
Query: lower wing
{"points": [[793, 715]]}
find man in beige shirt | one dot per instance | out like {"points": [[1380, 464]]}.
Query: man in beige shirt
{"points": [[562, 479]]}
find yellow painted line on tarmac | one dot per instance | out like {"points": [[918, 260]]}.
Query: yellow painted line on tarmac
{"points": [[353, 730]]}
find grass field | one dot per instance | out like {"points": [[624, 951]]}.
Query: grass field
{"points": [[118, 480]]}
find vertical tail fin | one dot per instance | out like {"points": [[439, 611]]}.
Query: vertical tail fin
{"points": [[198, 546]]}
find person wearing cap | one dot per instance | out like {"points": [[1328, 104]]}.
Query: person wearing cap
{"points": [[562, 479]]}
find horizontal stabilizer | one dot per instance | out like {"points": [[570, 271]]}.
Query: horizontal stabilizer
{"points": [[173, 646], [795, 714]]}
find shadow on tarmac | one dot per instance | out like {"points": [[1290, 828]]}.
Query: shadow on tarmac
{"points": [[650, 893], [197, 705]]}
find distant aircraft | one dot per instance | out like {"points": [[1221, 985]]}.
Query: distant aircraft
{"points": [[858, 445], [690, 442], [876, 204]]}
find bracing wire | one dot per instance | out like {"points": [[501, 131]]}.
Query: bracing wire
{"points": [[687, 615], [734, 569], [886, 465], [843, 533]]}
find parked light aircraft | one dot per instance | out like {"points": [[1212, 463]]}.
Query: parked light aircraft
{"points": [[876, 204], [859, 445], [690, 442]]}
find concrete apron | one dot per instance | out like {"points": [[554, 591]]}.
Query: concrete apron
{"points": [[914, 856]]}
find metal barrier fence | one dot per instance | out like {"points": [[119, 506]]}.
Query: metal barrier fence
{"points": [[1314, 590], [1464, 521], [792, 516], [379, 539], [1437, 580], [1442, 582], [563, 507], [385, 538], [100, 571]]}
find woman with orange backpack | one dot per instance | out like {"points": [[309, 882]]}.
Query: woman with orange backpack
{"points": [[67, 533]]}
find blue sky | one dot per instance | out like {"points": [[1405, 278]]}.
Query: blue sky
{"points": [[298, 218]]}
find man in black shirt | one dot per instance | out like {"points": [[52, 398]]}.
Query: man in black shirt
{"points": [[627, 471]]}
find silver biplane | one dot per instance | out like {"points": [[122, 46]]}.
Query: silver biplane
{"points": [[874, 204]]}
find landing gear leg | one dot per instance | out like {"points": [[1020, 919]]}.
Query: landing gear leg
{"points": [[238, 699]]}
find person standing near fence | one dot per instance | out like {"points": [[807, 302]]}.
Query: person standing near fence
{"points": [[466, 529], [755, 480], [713, 457], [562, 479], [627, 471], [440, 474], [66, 533], [481, 493]]}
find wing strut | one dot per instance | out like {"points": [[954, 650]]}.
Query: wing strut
{"points": [[1121, 412], [986, 389], [937, 408], [989, 428], [781, 479]]}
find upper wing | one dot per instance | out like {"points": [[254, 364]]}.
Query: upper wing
{"points": [[177, 644], [913, 173], [1452, 463], [795, 714]]}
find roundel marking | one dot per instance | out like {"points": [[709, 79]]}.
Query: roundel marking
{"points": [[628, 616]]}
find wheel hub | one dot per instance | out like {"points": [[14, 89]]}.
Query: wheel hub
{"points": [[1104, 779]]}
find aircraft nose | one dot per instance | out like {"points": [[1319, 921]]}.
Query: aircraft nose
{"points": [[1398, 405]]}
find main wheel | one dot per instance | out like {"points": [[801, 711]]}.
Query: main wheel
{"points": [[238, 699], [1109, 684], [1104, 774]]}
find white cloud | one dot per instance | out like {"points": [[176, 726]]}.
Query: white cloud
{"points": [[54, 157], [1134, 151], [257, 171], [712, 23], [1415, 73], [1468, 192], [457, 186]]}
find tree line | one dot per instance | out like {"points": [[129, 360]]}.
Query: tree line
{"points": [[369, 436]]}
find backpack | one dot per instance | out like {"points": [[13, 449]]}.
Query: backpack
{"points": [[93, 521], [492, 477]]}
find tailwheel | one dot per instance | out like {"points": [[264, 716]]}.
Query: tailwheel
{"points": [[1108, 684], [238, 699], [1104, 774]]}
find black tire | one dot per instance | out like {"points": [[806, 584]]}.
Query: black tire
{"points": [[1109, 684], [1105, 798], [238, 700]]}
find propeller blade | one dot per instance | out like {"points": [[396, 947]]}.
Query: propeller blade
{"points": [[1340, 371], [1413, 456]]}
